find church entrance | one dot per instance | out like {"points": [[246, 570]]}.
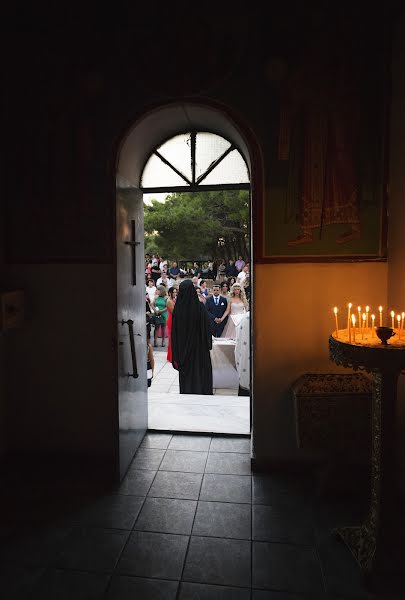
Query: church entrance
{"points": [[176, 176]]}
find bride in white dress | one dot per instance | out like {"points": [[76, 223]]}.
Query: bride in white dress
{"points": [[237, 305]]}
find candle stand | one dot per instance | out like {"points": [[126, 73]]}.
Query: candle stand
{"points": [[377, 544]]}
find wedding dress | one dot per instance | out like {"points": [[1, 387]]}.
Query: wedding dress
{"points": [[237, 310]]}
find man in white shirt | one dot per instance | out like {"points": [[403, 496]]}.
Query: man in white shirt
{"points": [[164, 280], [242, 275]]}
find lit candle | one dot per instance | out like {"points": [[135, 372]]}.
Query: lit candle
{"points": [[399, 326], [392, 319], [402, 320], [380, 309], [335, 310], [354, 328], [359, 311], [349, 306], [367, 309], [363, 326], [372, 325]]}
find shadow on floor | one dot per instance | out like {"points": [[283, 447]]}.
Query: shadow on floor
{"points": [[189, 521]]}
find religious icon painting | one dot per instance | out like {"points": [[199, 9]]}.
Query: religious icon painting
{"points": [[326, 173]]}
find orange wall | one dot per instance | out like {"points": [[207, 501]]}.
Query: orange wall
{"points": [[292, 322]]}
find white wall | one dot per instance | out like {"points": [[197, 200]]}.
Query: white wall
{"points": [[292, 322]]}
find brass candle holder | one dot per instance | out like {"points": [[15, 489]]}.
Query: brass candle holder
{"points": [[384, 333]]}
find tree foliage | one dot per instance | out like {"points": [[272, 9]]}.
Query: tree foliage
{"points": [[198, 225]]}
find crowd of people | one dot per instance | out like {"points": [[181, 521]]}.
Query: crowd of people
{"points": [[190, 307]]}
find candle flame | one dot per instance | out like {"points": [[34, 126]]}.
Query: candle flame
{"points": [[380, 308], [354, 319], [392, 314], [350, 305], [373, 317], [403, 315], [367, 309], [359, 308], [335, 310], [398, 318], [364, 316]]}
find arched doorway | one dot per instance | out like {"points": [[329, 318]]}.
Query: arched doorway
{"points": [[146, 135]]}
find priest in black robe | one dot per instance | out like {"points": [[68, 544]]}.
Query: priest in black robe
{"points": [[191, 342]]}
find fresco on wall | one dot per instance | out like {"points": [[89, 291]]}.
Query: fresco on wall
{"points": [[325, 173]]}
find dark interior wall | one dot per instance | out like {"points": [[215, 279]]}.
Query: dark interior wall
{"points": [[396, 248], [70, 97], [2, 343]]}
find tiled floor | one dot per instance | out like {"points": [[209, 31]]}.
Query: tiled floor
{"points": [[189, 521], [224, 412]]}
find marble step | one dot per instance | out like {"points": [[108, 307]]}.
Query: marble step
{"points": [[162, 397]]}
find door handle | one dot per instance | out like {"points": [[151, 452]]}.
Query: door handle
{"points": [[130, 324]]}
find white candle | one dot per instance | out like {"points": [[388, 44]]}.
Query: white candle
{"points": [[349, 306], [363, 326], [380, 309], [372, 325], [354, 328], [392, 319], [359, 311], [399, 326], [335, 310]]}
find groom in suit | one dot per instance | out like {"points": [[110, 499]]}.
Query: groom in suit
{"points": [[216, 305]]}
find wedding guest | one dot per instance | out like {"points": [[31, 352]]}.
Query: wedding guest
{"points": [[159, 306], [171, 301], [239, 264]]}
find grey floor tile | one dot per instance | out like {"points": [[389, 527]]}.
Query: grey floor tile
{"points": [[111, 512], [147, 458], [33, 546], [136, 482], [19, 583], [341, 573], [158, 555], [285, 567], [332, 512], [226, 488], [223, 519], [282, 491], [176, 485], [228, 463], [156, 440], [184, 460], [138, 588], [190, 442], [230, 444], [72, 585], [266, 595], [278, 525], [218, 561], [167, 515], [201, 591], [92, 549]]}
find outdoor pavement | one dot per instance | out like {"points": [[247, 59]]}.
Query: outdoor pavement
{"points": [[224, 412]]}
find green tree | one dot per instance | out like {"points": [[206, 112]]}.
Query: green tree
{"points": [[194, 225]]}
